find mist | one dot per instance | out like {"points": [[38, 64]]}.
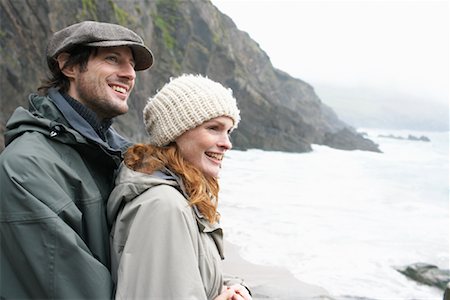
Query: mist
{"points": [[379, 64], [365, 107]]}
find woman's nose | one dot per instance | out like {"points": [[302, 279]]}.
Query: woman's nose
{"points": [[225, 142]]}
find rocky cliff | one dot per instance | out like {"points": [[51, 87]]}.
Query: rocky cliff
{"points": [[279, 112]]}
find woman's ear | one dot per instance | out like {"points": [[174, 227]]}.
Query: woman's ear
{"points": [[62, 60]]}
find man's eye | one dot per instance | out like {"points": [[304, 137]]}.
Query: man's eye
{"points": [[112, 58]]}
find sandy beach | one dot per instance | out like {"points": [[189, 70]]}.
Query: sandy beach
{"points": [[268, 282]]}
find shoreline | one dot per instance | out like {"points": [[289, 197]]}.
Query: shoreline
{"points": [[272, 282], [269, 282]]}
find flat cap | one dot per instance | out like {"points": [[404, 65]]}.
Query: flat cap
{"points": [[98, 34]]}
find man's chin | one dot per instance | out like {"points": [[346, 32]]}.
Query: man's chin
{"points": [[116, 113]]}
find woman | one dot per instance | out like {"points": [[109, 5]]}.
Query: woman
{"points": [[166, 242]]}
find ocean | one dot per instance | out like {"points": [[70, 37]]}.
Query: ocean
{"points": [[343, 219]]}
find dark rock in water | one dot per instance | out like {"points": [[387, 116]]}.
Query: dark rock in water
{"points": [[426, 274], [421, 138], [347, 139], [409, 138], [349, 297]]}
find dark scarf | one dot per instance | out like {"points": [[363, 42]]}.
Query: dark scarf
{"points": [[100, 126]]}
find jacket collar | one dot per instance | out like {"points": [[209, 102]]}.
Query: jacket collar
{"points": [[100, 126], [215, 230], [114, 142], [130, 184]]}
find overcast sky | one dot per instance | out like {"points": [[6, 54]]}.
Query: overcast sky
{"points": [[399, 46]]}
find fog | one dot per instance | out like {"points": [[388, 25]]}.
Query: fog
{"points": [[376, 63]]}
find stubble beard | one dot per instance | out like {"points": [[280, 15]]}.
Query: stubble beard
{"points": [[93, 94]]}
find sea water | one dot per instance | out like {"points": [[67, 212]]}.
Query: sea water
{"points": [[343, 220]]}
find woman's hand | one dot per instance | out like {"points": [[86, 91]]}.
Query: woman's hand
{"points": [[227, 294], [234, 292]]}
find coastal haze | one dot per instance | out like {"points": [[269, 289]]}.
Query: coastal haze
{"points": [[379, 64], [374, 108]]}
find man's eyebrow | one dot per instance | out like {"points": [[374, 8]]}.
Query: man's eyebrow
{"points": [[121, 55]]}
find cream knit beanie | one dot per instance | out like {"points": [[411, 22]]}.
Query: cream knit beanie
{"points": [[184, 103]]}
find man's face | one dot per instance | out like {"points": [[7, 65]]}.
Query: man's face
{"points": [[105, 85]]}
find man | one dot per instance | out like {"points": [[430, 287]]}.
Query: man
{"points": [[57, 170]]}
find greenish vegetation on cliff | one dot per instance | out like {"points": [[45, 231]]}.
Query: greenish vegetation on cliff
{"points": [[279, 112]]}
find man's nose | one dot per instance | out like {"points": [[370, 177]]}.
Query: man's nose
{"points": [[127, 71]]}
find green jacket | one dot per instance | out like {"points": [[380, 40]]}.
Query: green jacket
{"points": [[55, 178]]}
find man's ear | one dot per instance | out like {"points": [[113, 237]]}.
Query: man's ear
{"points": [[62, 60]]}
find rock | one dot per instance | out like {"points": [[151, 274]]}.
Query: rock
{"points": [[346, 139], [278, 112], [421, 138], [410, 137], [426, 274]]}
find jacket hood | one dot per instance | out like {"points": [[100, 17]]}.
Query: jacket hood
{"points": [[130, 184], [52, 115], [43, 117]]}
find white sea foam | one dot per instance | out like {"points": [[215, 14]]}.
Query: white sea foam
{"points": [[343, 219]]}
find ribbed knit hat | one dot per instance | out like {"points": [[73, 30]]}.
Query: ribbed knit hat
{"points": [[184, 103]]}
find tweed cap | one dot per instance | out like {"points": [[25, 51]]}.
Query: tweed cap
{"points": [[184, 103], [98, 34]]}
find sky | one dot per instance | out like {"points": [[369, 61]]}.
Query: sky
{"points": [[384, 51]]}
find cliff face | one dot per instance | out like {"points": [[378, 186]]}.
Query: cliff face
{"points": [[278, 111]]}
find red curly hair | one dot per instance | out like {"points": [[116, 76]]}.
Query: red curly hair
{"points": [[202, 190]]}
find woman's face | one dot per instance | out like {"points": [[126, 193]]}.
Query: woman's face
{"points": [[205, 145]]}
